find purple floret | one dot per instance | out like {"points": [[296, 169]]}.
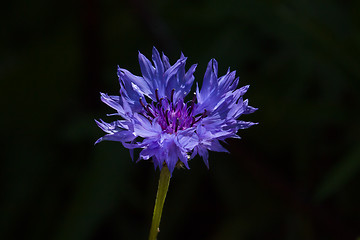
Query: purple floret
{"points": [[156, 118]]}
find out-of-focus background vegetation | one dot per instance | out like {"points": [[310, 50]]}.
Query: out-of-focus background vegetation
{"points": [[294, 176]]}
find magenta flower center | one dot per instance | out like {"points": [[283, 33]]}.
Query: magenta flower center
{"points": [[170, 115]]}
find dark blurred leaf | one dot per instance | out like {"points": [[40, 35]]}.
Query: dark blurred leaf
{"points": [[98, 192], [339, 175]]}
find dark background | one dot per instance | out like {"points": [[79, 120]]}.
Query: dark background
{"points": [[296, 175]]}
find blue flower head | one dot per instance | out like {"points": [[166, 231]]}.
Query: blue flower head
{"points": [[156, 118]]}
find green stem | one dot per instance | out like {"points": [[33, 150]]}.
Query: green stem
{"points": [[159, 202]]}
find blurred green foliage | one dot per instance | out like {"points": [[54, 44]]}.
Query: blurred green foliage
{"points": [[294, 176]]}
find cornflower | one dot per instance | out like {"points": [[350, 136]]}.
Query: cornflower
{"points": [[169, 130]]}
